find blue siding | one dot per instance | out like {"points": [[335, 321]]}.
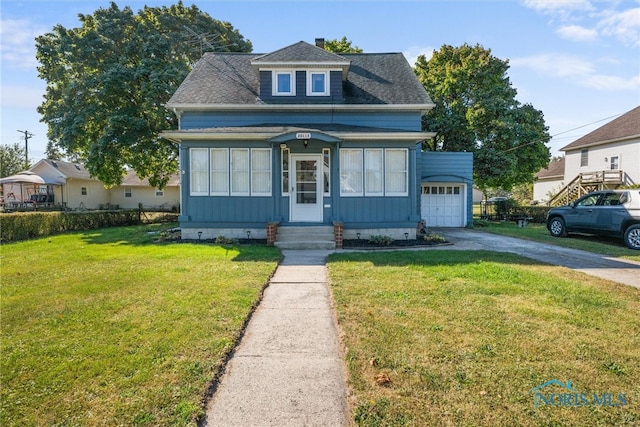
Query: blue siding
{"points": [[335, 86], [403, 120], [438, 166]]}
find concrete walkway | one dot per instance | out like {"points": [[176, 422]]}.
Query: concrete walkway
{"points": [[288, 369]]}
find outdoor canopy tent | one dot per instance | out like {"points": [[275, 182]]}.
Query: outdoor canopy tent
{"points": [[26, 180]]}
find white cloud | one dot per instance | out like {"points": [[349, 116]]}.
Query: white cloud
{"points": [[17, 43], [625, 26], [576, 71], [557, 65], [577, 33], [561, 8], [413, 52]]}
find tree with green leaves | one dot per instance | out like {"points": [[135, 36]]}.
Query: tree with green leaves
{"points": [[476, 111], [341, 46], [108, 81], [12, 159]]}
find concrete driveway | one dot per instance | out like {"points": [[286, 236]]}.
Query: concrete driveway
{"points": [[614, 269]]}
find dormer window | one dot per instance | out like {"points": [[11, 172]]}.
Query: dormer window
{"points": [[284, 83], [317, 83]]}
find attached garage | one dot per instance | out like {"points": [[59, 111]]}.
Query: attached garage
{"points": [[444, 204]]}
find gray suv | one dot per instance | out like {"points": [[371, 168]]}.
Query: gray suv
{"points": [[607, 212]]}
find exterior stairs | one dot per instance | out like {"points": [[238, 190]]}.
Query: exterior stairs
{"points": [[585, 183], [313, 237]]}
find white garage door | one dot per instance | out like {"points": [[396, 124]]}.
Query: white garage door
{"points": [[443, 204]]}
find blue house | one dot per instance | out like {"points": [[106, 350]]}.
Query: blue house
{"points": [[308, 140]]}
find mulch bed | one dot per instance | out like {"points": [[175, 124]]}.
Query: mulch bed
{"points": [[407, 243]]}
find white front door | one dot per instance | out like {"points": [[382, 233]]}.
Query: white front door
{"points": [[306, 188]]}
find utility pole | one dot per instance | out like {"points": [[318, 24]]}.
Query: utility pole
{"points": [[27, 135]]}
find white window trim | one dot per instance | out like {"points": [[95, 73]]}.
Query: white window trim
{"points": [[226, 170], [159, 193], [269, 170], [198, 193], [327, 76], [285, 188], [367, 169], [274, 82], [326, 152], [128, 192], [406, 173], [248, 173], [611, 162], [354, 194]]}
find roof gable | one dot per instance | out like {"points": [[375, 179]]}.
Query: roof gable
{"points": [[624, 127], [64, 169], [299, 53]]}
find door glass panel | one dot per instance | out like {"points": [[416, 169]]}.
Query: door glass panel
{"points": [[306, 183]]}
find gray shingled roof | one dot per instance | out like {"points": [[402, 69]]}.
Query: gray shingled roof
{"points": [[554, 169], [70, 170], [624, 127], [230, 79], [299, 52]]}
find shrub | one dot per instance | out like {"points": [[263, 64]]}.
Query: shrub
{"points": [[380, 240], [432, 237], [28, 225], [222, 240]]}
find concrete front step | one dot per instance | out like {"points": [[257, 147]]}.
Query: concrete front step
{"points": [[312, 237]]}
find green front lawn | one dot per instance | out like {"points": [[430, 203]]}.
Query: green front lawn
{"points": [[462, 338], [539, 233], [107, 327]]}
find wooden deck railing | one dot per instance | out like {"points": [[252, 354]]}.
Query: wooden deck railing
{"points": [[587, 182]]}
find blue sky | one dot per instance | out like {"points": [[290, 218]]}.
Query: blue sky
{"points": [[578, 61]]}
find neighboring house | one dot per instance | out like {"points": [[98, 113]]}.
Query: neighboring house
{"points": [[304, 137], [134, 192], [77, 189], [608, 157], [70, 186], [549, 181]]}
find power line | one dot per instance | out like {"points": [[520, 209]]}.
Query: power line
{"points": [[588, 124]]}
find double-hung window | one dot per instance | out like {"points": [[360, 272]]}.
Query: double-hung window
{"points": [[395, 172], [199, 167], [317, 83], [284, 83], [261, 172], [373, 166], [351, 172], [239, 171], [584, 157], [219, 171]]}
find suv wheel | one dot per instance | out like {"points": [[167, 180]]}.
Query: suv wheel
{"points": [[557, 227], [632, 236]]}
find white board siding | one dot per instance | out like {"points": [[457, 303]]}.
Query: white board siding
{"points": [[443, 204]]}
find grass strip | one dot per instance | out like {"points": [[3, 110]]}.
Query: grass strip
{"points": [[464, 337], [109, 328]]}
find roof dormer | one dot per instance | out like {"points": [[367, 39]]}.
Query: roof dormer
{"points": [[301, 56]]}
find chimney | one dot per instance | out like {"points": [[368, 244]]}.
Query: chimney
{"points": [[320, 43]]}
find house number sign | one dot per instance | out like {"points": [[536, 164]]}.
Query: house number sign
{"points": [[303, 135]]}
